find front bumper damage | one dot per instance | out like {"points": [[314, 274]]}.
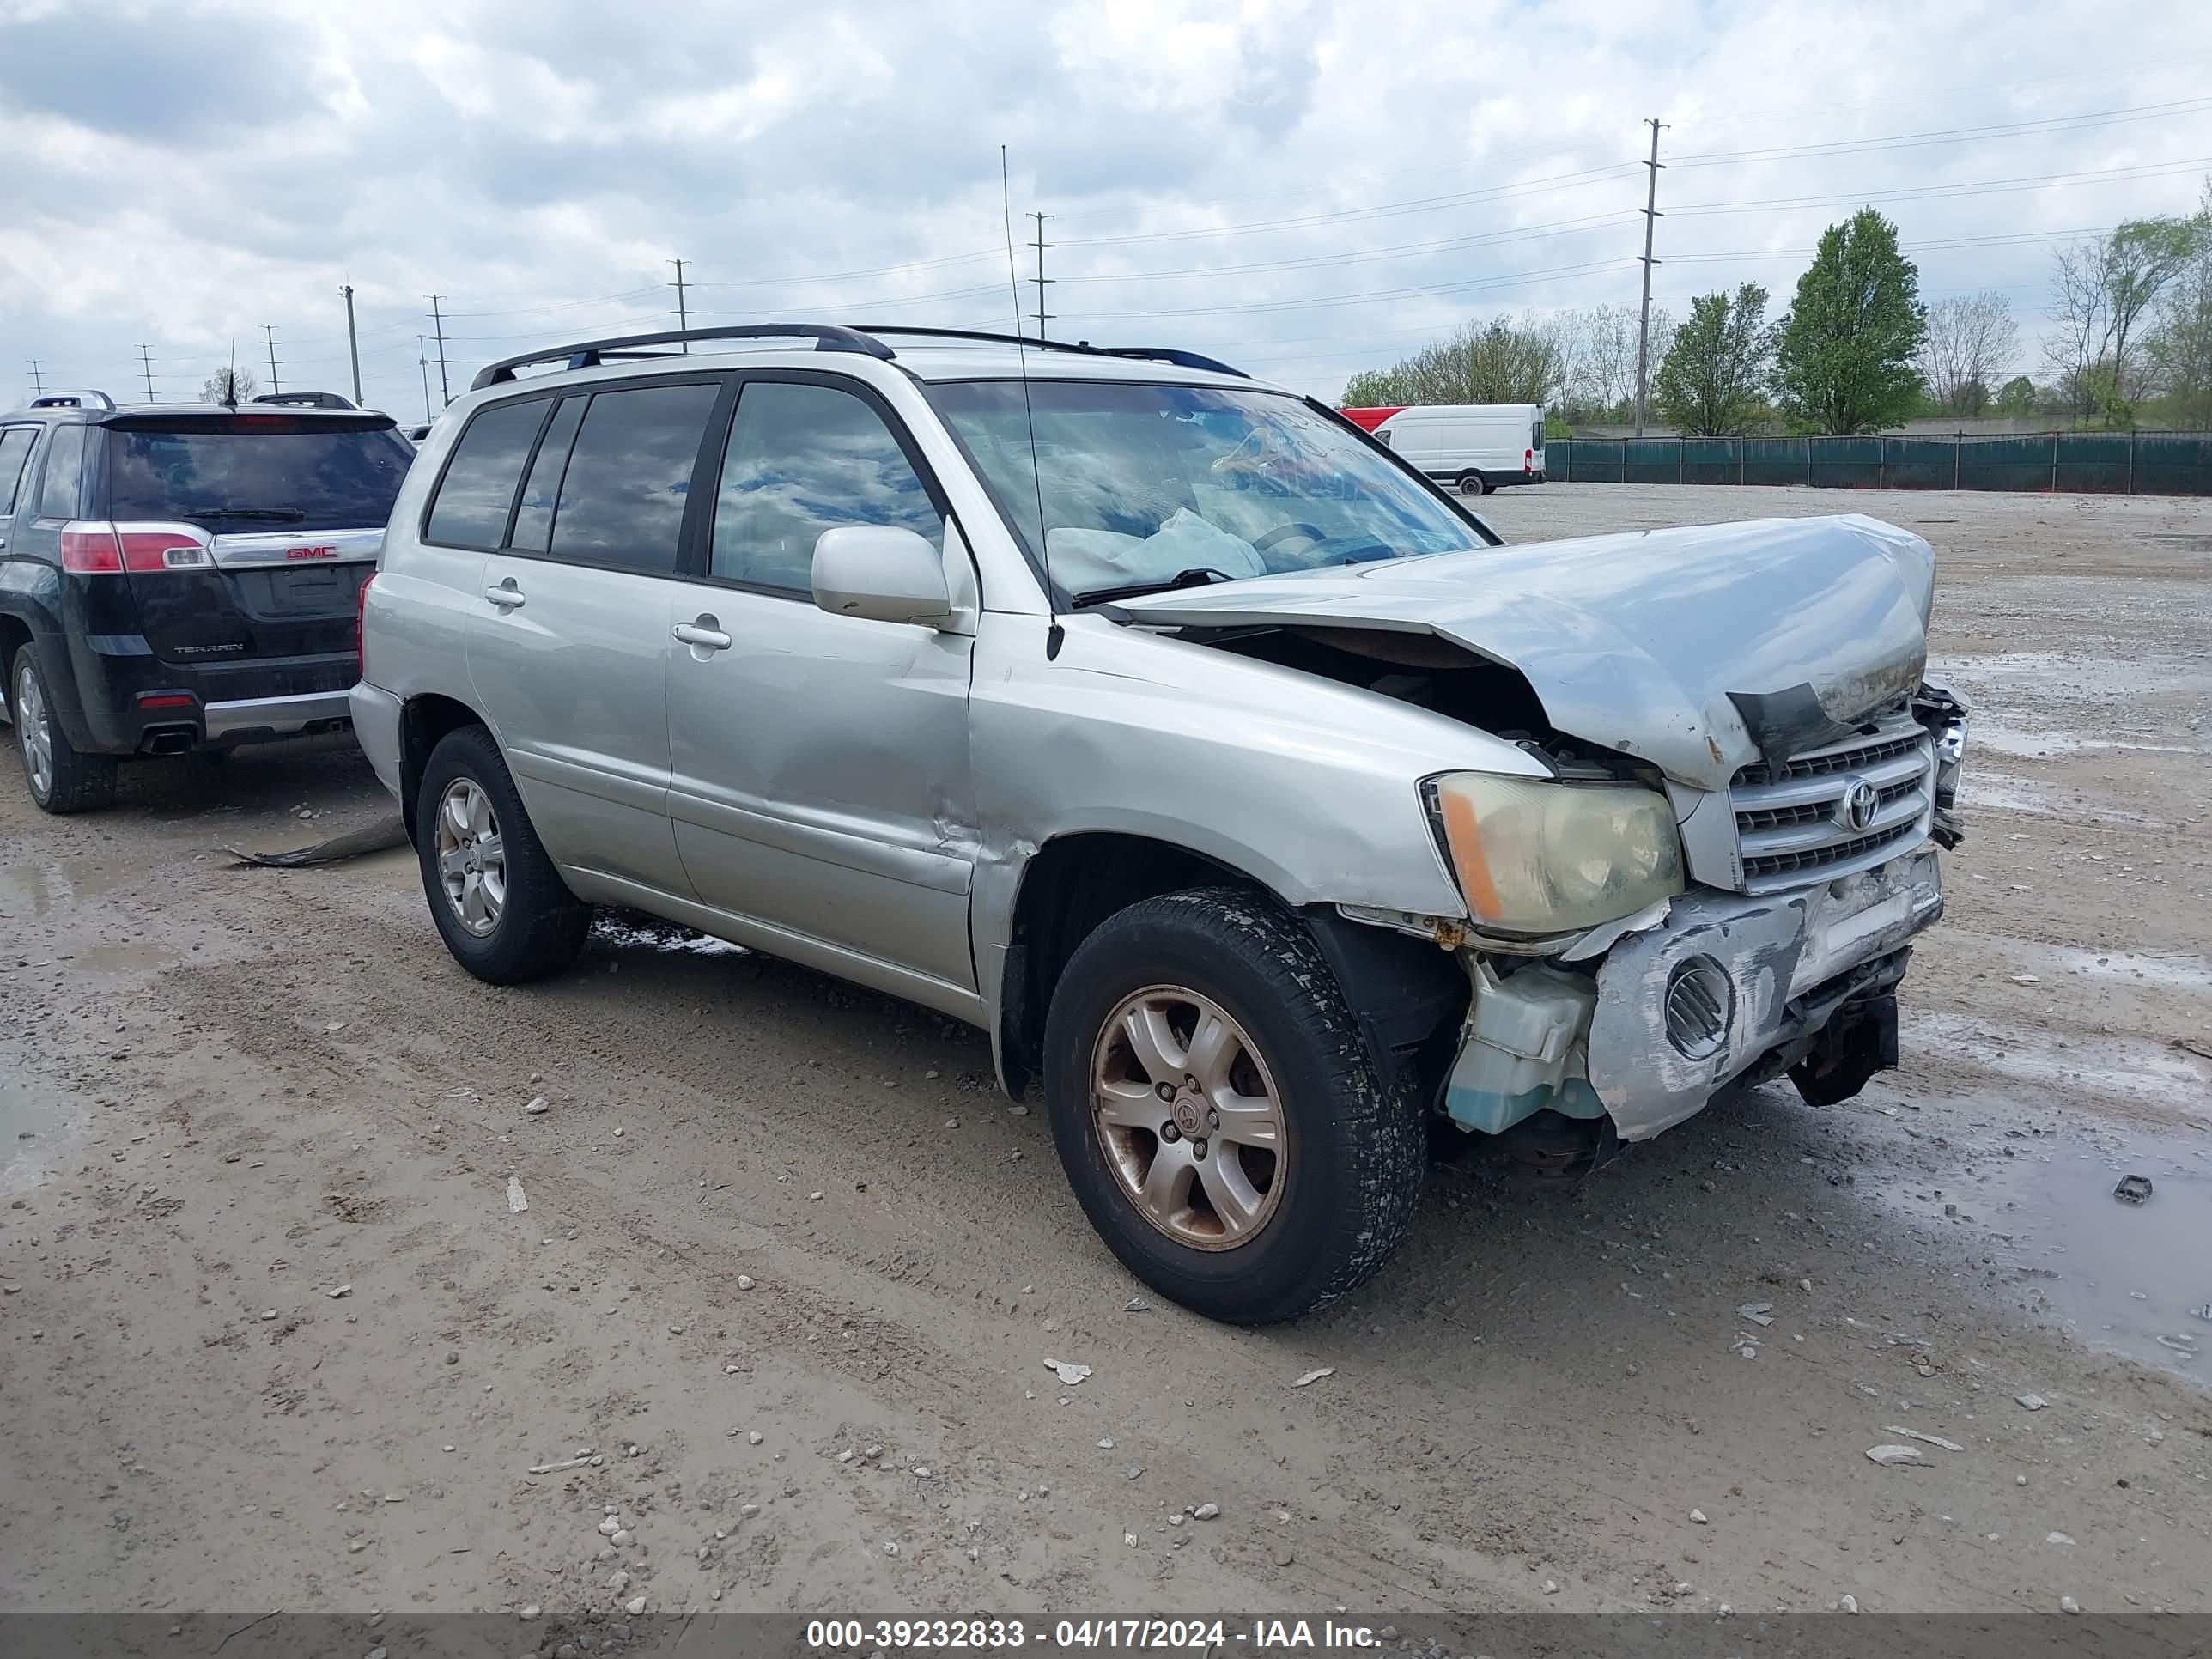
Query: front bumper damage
{"points": [[1724, 986]]}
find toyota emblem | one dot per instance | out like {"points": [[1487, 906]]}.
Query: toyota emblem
{"points": [[1861, 800]]}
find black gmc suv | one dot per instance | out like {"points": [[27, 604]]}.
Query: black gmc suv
{"points": [[175, 577]]}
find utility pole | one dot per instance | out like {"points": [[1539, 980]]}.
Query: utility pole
{"points": [[1041, 279], [445, 389], [1644, 326], [683, 313], [423, 362], [353, 341], [146, 363], [38, 381], [269, 333]]}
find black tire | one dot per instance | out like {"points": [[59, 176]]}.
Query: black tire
{"points": [[540, 925], [1355, 1143], [74, 781], [1473, 484]]}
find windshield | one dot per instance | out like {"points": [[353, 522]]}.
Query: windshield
{"points": [[1145, 485], [279, 470]]}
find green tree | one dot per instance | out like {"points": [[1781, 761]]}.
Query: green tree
{"points": [[1711, 381], [1497, 362], [2180, 344], [1844, 355], [2016, 398]]}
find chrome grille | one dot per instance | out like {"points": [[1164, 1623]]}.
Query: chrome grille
{"points": [[1792, 817]]}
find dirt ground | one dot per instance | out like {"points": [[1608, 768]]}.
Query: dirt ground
{"points": [[790, 1269]]}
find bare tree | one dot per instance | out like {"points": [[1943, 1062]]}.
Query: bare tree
{"points": [[1971, 347], [2081, 318], [229, 385], [1597, 350]]}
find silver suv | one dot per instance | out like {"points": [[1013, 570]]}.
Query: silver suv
{"points": [[1261, 807]]}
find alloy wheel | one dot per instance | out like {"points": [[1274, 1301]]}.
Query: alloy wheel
{"points": [[472, 857], [35, 730], [1189, 1118]]}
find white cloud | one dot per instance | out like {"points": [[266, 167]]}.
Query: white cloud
{"points": [[1303, 187]]}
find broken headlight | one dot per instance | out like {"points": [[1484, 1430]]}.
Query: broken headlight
{"points": [[1536, 857]]}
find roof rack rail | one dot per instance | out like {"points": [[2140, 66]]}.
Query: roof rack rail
{"points": [[827, 337], [73, 400], [1155, 353], [307, 400]]}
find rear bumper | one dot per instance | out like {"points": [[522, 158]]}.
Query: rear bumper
{"points": [[376, 728], [129, 701], [250, 719]]}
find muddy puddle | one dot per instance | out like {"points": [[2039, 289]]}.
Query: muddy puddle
{"points": [[2134, 1278], [41, 887], [37, 1125]]}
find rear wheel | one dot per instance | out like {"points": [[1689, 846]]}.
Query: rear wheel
{"points": [[1473, 484], [497, 899], [62, 777], [1218, 1112]]}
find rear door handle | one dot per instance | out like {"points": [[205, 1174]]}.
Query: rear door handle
{"points": [[703, 633], [504, 594]]}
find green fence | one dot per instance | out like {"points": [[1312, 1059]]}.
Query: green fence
{"points": [[2096, 462]]}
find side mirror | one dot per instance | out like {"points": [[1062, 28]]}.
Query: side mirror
{"points": [[883, 572]]}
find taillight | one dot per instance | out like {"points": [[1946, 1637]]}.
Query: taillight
{"points": [[94, 549], [361, 624], [91, 550]]}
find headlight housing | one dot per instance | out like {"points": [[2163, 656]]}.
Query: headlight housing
{"points": [[1538, 857]]}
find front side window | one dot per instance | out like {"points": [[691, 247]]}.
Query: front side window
{"points": [[802, 459], [477, 491], [622, 499], [15, 444], [1143, 486], [60, 486]]}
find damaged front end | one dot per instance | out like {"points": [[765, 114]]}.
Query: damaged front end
{"points": [[1748, 774]]}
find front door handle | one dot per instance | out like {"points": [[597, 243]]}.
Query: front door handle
{"points": [[504, 594], [704, 635]]}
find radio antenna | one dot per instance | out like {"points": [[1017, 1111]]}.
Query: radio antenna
{"points": [[1054, 633]]}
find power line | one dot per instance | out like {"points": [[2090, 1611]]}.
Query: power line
{"points": [[38, 381], [146, 365], [269, 333], [683, 318]]}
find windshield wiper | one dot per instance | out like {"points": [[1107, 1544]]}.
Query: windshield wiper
{"points": [[1203, 575], [268, 514]]}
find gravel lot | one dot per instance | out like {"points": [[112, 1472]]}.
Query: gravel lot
{"points": [[227, 1093]]}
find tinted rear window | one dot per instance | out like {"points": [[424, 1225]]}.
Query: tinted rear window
{"points": [[477, 492], [622, 501], [279, 470]]}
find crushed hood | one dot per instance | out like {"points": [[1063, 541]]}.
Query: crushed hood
{"points": [[1698, 649]]}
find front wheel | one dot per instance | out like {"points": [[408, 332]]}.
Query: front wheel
{"points": [[1218, 1114], [62, 777], [495, 894]]}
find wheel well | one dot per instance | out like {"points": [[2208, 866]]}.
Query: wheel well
{"points": [[1408, 995], [1070, 885], [423, 724], [14, 634]]}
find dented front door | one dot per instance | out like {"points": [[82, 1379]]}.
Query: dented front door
{"points": [[821, 782]]}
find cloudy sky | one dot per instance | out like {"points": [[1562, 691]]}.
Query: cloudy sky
{"points": [[1306, 187]]}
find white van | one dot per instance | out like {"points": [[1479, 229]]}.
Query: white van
{"points": [[1478, 446]]}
